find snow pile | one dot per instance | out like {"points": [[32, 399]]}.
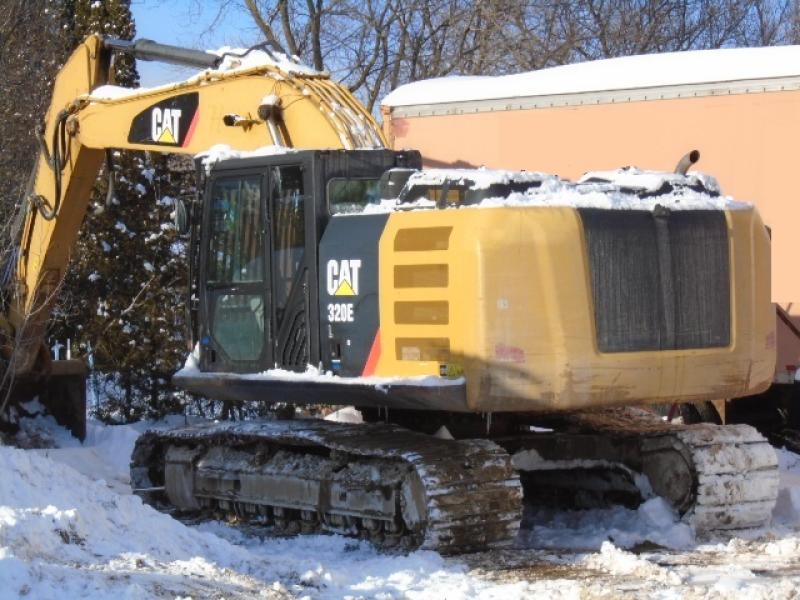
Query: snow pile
{"points": [[617, 192], [634, 178], [787, 508], [114, 92], [105, 455], [619, 562], [624, 73], [348, 414], [55, 522], [476, 179], [336, 567], [654, 521], [393, 204], [789, 547], [39, 430], [613, 190], [219, 152], [115, 444], [233, 60], [239, 59]]}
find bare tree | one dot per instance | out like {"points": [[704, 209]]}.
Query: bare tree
{"points": [[549, 32], [375, 45]]}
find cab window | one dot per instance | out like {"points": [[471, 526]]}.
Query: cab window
{"points": [[348, 196], [236, 244]]}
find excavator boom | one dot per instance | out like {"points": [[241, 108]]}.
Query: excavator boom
{"points": [[240, 102]]}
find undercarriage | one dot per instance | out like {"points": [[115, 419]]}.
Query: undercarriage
{"points": [[376, 481], [405, 489]]}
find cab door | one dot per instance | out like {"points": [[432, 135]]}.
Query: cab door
{"points": [[235, 275], [255, 275]]}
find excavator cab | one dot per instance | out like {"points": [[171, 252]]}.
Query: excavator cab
{"points": [[255, 252]]}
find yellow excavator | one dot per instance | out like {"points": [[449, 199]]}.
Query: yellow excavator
{"points": [[487, 326]]}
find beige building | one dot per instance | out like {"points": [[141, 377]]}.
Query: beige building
{"points": [[739, 107]]}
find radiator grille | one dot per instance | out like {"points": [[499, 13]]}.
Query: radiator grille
{"points": [[660, 280]]}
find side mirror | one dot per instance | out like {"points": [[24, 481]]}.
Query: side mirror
{"points": [[181, 217]]}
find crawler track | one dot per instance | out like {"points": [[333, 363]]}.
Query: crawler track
{"points": [[718, 477], [401, 489], [735, 475], [375, 481]]}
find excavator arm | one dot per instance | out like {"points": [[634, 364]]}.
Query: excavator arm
{"points": [[237, 101]]}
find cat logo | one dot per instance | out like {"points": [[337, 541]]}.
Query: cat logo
{"points": [[169, 122], [166, 125], [343, 277]]}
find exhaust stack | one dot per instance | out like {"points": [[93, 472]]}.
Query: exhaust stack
{"points": [[687, 161]]}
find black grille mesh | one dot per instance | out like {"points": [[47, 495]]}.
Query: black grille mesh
{"points": [[660, 280]]}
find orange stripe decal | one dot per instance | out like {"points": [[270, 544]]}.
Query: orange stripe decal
{"points": [[192, 127], [374, 355]]}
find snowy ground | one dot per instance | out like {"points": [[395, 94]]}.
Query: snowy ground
{"points": [[70, 528]]}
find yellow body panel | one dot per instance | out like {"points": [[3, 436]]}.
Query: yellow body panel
{"points": [[506, 299], [310, 120]]}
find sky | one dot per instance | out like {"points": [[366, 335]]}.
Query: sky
{"points": [[188, 23]]}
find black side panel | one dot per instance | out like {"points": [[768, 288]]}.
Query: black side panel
{"points": [[349, 164], [291, 347], [659, 282], [348, 286]]}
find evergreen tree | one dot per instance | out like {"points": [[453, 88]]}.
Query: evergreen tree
{"points": [[124, 296], [32, 48]]}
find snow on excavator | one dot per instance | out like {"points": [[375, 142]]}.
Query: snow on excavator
{"points": [[476, 304]]}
